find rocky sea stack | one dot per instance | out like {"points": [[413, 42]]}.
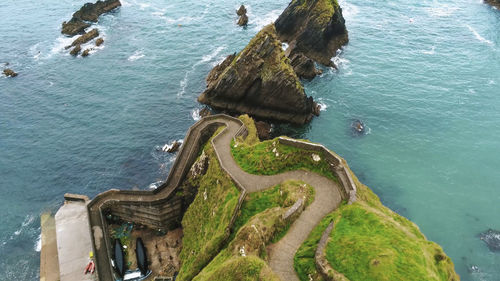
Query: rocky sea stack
{"points": [[259, 81], [315, 28], [9, 72], [88, 13], [242, 13]]}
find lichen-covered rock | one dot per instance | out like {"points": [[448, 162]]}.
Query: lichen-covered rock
{"points": [[99, 42], [86, 37], [259, 81], [304, 66], [315, 28], [76, 50], [9, 72], [88, 12], [243, 20]]}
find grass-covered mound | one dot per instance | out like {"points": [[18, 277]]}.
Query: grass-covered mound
{"points": [[283, 195], [271, 158], [206, 220], [259, 223], [371, 242]]}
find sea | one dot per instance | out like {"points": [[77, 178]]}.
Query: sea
{"points": [[422, 76]]}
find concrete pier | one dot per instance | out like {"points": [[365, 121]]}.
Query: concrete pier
{"points": [[49, 263], [73, 239]]}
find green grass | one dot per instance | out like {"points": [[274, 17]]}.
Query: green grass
{"points": [[250, 268], [371, 244], [271, 158], [282, 195], [207, 218]]}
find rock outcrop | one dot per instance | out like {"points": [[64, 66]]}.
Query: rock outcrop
{"points": [[9, 72], [76, 50], [259, 81], [492, 239], [99, 42], [242, 13], [315, 28], [85, 38], [304, 66], [88, 13], [86, 53], [494, 3]]}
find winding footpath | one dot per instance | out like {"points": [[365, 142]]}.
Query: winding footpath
{"points": [[327, 197]]}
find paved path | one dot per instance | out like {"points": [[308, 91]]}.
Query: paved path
{"points": [[327, 198]]}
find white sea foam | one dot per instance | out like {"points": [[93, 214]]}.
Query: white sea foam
{"points": [[429, 52], [38, 243], [143, 6], [349, 10], [261, 21], [155, 185], [136, 55], [441, 11], [478, 36], [206, 58], [195, 114]]}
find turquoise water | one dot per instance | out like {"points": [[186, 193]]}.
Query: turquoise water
{"points": [[423, 76]]}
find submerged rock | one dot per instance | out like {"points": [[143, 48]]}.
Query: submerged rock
{"points": [[315, 28], [492, 239], [9, 72], [259, 81], [76, 50], [85, 53], [171, 148], [99, 42], [358, 127], [88, 12], [304, 66]]}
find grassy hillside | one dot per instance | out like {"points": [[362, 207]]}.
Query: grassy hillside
{"points": [[371, 242], [206, 220]]}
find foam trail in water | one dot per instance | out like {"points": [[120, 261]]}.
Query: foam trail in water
{"points": [[195, 114], [204, 59], [268, 18], [479, 37], [38, 243], [136, 55], [430, 52]]}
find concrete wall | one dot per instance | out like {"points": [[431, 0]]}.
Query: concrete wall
{"points": [[348, 190]]}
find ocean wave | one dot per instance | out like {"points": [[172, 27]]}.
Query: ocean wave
{"points": [[206, 58], [478, 36], [349, 10], [136, 55], [441, 11], [155, 184], [261, 21], [38, 243], [195, 114]]}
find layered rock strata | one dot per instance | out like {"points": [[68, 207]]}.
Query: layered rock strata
{"points": [[261, 82], [88, 13], [315, 28]]}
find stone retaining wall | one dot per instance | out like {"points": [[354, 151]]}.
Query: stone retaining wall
{"points": [[348, 190]]}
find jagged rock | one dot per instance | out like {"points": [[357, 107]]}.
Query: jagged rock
{"points": [[85, 53], [315, 28], [74, 27], [9, 72], [76, 50], [492, 239], [304, 66], [204, 112], [259, 81], [200, 167], [173, 147], [99, 42], [263, 130], [242, 10], [85, 37], [243, 20], [88, 12]]}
